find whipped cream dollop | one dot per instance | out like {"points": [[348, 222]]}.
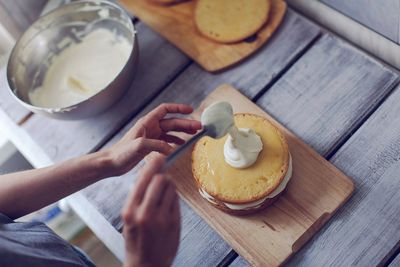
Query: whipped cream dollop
{"points": [[242, 147], [82, 70]]}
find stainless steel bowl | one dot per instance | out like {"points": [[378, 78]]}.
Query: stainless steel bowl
{"points": [[45, 38]]}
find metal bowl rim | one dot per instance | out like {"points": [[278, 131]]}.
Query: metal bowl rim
{"points": [[12, 87]]}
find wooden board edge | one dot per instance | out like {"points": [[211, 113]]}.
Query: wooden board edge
{"points": [[321, 221], [347, 190], [224, 67], [217, 68]]}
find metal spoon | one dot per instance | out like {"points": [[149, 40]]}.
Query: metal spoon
{"points": [[207, 131], [217, 127]]}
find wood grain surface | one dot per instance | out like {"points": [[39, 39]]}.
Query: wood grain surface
{"points": [[18, 15], [195, 83], [350, 30], [395, 262], [367, 227], [7, 103], [269, 237], [328, 93], [192, 86], [382, 16], [239, 262], [176, 24]]}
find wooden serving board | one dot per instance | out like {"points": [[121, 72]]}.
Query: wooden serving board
{"points": [[268, 238], [176, 24]]}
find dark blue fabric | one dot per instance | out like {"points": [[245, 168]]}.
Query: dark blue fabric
{"points": [[34, 244]]}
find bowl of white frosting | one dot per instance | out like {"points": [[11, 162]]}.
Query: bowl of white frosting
{"points": [[74, 62]]}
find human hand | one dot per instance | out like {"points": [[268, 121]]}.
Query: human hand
{"points": [[151, 219], [151, 133]]}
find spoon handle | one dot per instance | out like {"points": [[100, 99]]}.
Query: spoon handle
{"points": [[171, 158]]}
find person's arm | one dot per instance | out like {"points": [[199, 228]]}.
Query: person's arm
{"points": [[24, 192], [151, 219]]}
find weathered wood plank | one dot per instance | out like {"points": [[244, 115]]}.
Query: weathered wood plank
{"points": [[395, 262], [194, 84], [201, 245], [159, 62], [367, 228], [239, 262], [176, 25], [350, 30], [382, 16], [7, 23], [327, 94], [9, 105], [18, 15]]}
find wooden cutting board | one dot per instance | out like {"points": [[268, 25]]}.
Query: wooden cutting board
{"points": [[175, 23], [317, 189]]}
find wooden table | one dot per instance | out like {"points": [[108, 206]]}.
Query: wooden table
{"points": [[339, 100]]}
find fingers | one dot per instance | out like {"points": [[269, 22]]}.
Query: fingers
{"points": [[155, 192], [170, 196], [163, 109], [149, 170], [152, 155], [162, 195], [146, 146], [175, 209], [172, 139], [136, 196], [180, 125]]}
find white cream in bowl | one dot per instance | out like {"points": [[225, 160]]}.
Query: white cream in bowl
{"points": [[82, 70]]}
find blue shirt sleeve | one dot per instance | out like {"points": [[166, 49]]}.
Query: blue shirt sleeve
{"points": [[34, 244]]}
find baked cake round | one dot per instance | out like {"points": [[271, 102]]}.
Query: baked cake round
{"points": [[166, 2], [229, 21], [243, 191]]}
